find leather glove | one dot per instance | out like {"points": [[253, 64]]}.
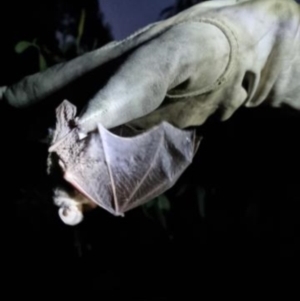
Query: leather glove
{"points": [[214, 57]]}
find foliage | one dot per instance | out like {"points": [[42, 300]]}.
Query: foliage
{"points": [[24, 45], [44, 55], [157, 209]]}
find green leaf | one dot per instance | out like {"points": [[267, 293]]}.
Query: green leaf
{"points": [[163, 203], [150, 204], [22, 46], [182, 189], [81, 27], [156, 210], [81, 23], [42, 62]]}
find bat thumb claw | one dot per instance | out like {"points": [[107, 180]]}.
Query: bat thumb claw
{"points": [[71, 216], [81, 135]]}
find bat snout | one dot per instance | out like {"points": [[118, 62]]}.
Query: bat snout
{"points": [[72, 206], [69, 210], [71, 215]]}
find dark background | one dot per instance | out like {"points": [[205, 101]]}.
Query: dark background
{"points": [[237, 205]]}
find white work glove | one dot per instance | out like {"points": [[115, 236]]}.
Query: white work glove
{"points": [[214, 57]]}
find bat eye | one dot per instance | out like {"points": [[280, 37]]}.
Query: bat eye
{"points": [[71, 216]]}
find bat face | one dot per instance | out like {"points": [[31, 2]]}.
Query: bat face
{"points": [[118, 170]]}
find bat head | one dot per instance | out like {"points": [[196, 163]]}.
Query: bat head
{"points": [[72, 204]]}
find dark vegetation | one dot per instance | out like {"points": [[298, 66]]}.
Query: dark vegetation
{"points": [[238, 202]]}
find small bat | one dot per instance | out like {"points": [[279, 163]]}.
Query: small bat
{"points": [[117, 170]]}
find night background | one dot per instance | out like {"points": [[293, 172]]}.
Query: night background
{"points": [[238, 203]]}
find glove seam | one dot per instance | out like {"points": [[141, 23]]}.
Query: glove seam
{"points": [[234, 46]]}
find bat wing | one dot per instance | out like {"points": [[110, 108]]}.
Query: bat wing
{"points": [[120, 173]]}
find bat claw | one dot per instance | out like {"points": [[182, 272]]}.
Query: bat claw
{"points": [[81, 135], [71, 216]]}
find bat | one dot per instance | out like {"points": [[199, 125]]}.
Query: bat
{"points": [[118, 169]]}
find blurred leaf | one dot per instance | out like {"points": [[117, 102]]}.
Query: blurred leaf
{"points": [[163, 206], [81, 27], [42, 62], [163, 203], [157, 209], [81, 23], [22, 46], [150, 204], [182, 189]]}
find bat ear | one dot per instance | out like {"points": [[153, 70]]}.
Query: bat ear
{"points": [[65, 114], [70, 215], [66, 111]]}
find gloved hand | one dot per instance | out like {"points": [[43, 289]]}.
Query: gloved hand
{"points": [[214, 57]]}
